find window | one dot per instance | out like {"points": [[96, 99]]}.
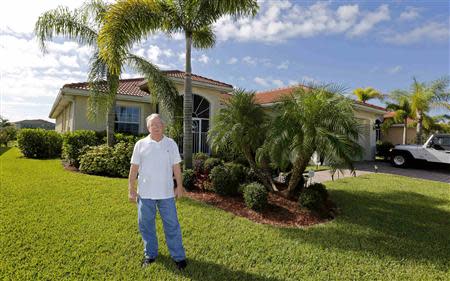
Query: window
{"points": [[127, 120]]}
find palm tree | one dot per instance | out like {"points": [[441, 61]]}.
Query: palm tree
{"points": [[402, 112], [424, 97], [128, 21], [313, 119], [366, 94], [4, 123], [82, 25], [240, 127]]}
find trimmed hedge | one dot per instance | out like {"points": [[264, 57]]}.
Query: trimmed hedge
{"points": [[255, 196], [188, 179], [39, 143], [223, 182], [74, 142]]}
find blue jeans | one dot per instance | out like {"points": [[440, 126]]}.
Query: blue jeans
{"points": [[146, 221]]}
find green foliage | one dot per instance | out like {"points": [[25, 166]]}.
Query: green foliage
{"points": [[255, 196], [383, 148], [313, 197], [107, 161], [73, 143], [223, 181], [199, 162], [39, 143], [189, 179], [7, 133], [366, 94], [238, 171], [210, 163]]}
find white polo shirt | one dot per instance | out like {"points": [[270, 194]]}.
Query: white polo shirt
{"points": [[155, 160]]}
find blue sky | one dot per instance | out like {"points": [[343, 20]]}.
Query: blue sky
{"points": [[382, 44]]}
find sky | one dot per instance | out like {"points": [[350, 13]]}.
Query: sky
{"points": [[382, 44]]}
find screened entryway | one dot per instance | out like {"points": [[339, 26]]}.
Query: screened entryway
{"points": [[200, 125]]}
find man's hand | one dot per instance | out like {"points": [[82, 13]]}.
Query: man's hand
{"points": [[179, 191], [132, 196]]}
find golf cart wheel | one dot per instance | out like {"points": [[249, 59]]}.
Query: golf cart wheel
{"points": [[400, 160]]}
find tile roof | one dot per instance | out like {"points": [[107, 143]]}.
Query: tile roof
{"points": [[391, 114], [129, 87], [271, 96], [132, 87]]}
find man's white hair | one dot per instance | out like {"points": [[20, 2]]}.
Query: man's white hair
{"points": [[153, 116]]}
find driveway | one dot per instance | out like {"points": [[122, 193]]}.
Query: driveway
{"points": [[431, 172]]}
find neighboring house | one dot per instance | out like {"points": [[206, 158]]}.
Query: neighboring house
{"points": [[133, 104], [35, 123], [394, 134]]}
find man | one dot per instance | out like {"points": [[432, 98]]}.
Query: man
{"points": [[156, 159]]}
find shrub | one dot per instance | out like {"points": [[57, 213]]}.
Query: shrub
{"points": [[96, 160], [210, 163], [7, 134], [199, 162], [222, 181], [313, 197], [120, 160], [73, 142], [39, 143], [383, 149], [255, 196], [238, 171], [188, 179]]}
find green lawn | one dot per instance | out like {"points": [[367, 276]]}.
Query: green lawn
{"points": [[59, 225]]}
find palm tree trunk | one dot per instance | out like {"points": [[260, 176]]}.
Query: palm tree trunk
{"points": [[405, 131], [187, 106], [297, 173], [110, 124], [262, 174], [419, 127]]}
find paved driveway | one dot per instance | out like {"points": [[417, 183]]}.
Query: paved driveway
{"points": [[435, 173]]}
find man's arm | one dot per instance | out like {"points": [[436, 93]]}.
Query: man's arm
{"points": [[179, 190], [132, 193]]}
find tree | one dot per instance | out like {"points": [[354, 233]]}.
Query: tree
{"points": [[318, 119], [128, 21], [82, 25], [4, 122], [366, 94], [240, 127], [424, 97], [403, 111]]}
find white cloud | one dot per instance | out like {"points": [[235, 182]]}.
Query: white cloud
{"points": [[395, 69], [261, 81], [278, 21], [203, 59], [69, 61], [431, 31], [232, 60], [278, 83], [249, 60], [283, 65], [409, 13], [370, 20]]}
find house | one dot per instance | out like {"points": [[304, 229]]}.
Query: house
{"points": [[394, 134], [35, 123], [133, 104]]}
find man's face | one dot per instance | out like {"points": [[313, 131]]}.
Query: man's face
{"points": [[156, 127]]}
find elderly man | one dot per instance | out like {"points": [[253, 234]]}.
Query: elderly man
{"points": [[156, 158]]}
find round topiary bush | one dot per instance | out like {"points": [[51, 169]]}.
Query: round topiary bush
{"points": [[189, 179], [96, 160], [119, 165], [313, 197], [255, 196], [238, 171], [211, 163], [39, 143], [222, 181]]}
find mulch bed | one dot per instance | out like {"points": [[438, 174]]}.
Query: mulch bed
{"points": [[280, 212]]}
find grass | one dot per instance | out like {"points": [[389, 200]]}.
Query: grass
{"points": [[57, 224]]}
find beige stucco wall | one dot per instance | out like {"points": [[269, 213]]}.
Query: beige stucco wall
{"points": [[394, 135], [82, 122], [64, 121]]}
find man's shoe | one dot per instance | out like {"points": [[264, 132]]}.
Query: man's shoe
{"points": [[181, 264], [146, 261]]}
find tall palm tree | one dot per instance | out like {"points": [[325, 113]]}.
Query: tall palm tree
{"points": [[128, 21], [313, 119], [402, 112], [424, 97], [240, 127], [82, 25], [363, 95]]}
